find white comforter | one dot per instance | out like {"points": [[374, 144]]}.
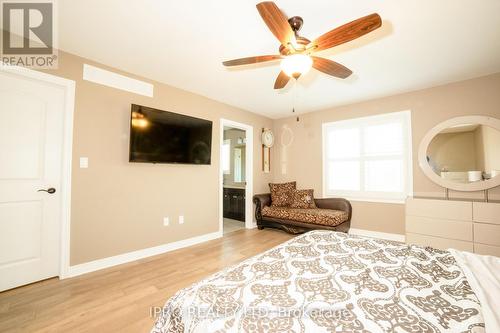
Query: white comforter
{"points": [[325, 281], [483, 275]]}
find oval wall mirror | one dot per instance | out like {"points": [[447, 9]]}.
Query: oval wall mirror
{"points": [[463, 153]]}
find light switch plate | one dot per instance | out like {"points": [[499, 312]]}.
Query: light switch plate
{"points": [[166, 221], [181, 219], [84, 162]]}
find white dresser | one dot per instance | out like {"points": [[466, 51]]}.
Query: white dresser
{"points": [[462, 225]]}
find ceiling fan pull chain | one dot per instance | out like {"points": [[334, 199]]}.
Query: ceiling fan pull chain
{"points": [[295, 92]]}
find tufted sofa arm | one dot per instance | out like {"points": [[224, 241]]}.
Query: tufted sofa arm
{"points": [[261, 201], [336, 204]]}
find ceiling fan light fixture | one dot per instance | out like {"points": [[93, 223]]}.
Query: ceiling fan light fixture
{"points": [[296, 65]]}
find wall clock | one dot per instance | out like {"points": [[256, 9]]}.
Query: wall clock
{"points": [[267, 139]]}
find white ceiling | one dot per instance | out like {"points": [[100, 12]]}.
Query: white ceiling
{"points": [[422, 43]]}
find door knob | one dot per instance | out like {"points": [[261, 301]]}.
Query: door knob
{"points": [[49, 190]]}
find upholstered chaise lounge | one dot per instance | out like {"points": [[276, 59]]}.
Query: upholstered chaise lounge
{"points": [[329, 214]]}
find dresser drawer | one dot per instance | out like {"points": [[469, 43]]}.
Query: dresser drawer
{"points": [[486, 212], [488, 250], [451, 229], [487, 234], [438, 243], [441, 209]]}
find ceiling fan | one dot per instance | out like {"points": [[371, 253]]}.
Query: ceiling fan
{"points": [[296, 51]]}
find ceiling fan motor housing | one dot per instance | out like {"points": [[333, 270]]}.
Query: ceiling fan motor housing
{"points": [[296, 23]]}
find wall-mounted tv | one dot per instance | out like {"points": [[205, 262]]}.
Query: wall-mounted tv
{"points": [[165, 137]]}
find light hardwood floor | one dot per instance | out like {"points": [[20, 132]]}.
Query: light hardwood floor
{"points": [[232, 225], [119, 299]]}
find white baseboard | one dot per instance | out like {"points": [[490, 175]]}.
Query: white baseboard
{"points": [[377, 234], [95, 265], [99, 264]]}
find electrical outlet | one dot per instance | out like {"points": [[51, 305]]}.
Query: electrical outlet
{"points": [[181, 219], [166, 221]]}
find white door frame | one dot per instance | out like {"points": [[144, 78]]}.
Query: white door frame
{"points": [[249, 224], [69, 107]]}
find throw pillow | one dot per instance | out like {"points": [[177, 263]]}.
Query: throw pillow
{"points": [[303, 199], [282, 194]]}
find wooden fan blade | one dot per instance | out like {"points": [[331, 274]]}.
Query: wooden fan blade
{"points": [[281, 80], [276, 21], [346, 32], [251, 60], [331, 67]]}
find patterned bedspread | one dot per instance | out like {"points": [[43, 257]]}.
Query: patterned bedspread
{"points": [[325, 281]]}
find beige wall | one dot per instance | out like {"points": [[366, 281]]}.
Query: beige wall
{"points": [[487, 149], [478, 139], [454, 151], [491, 139], [429, 107], [118, 206]]}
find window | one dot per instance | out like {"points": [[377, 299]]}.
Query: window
{"points": [[368, 158], [226, 157]]}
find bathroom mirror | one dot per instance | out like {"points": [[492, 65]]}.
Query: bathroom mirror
{"points": [[239, 164], [463, 153]]}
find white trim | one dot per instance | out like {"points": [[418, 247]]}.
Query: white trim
{"points": [[377, 234], [410, 155], [117, 81], [69, 108], [249, 223], [96, 265], [397, 202], [66, 183]]}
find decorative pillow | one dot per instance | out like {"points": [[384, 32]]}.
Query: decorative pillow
{"points": [[303, 199], [282, 194]]}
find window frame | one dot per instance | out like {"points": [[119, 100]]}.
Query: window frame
{"points": [[403, 117]]}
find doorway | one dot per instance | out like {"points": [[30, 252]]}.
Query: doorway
{"points": [[36, 116], [236, 170]]}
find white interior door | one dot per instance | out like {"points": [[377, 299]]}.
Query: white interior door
{"points": [[31, 142]]}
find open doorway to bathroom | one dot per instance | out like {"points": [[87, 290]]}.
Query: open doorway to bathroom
{"points": [[236, 171], [233, 179]]}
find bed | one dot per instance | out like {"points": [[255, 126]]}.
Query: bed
{"points": [[326, 281]]}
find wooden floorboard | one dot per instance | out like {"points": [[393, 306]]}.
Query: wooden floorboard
{"points": [[119, 299]]}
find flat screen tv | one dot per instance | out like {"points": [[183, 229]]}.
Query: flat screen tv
{"points": [[165, 137]]}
